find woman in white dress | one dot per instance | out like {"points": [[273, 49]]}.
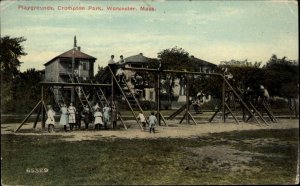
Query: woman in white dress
{"points": [[98, 119], [72, 116], [64, 117]]}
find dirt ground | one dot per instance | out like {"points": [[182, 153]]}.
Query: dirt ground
{"points": [[174, 130]]}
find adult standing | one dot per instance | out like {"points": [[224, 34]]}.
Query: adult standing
{"points": [[106, 110], [72, 116], [64, 116], [182, 83]]}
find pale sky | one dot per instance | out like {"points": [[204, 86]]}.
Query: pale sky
{"points": [[210, 30]]}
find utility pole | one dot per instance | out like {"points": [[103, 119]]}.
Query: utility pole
{"points": [[72, 75]]}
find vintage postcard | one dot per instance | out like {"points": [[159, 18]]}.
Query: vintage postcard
{"points": [[149, 92]]}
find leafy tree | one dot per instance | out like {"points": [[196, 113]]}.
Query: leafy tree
{"points": [[11, 50], [244, 73], [26, 84], [282, 77], [175, 59]]}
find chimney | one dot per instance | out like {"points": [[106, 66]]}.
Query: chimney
{"points": [[141, 54], [75, 42], [78, 48]]}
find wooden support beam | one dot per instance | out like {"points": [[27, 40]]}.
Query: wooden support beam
{"points": [[37, 117], [183, 118], [190, 115], [232, 113], [162, 117], [129, 105], [28, 116], [74, 84], [218, 110]]}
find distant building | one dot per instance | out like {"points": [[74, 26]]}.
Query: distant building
{"points": [[203, 66], [59, 68], [139, 61]]}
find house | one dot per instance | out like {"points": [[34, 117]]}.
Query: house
{"points": [[139, 61], [148, 93], [59, 69], [203, 66]]}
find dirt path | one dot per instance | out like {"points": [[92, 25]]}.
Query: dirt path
{"points": [[175, 130]]}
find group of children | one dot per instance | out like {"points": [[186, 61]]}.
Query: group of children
{"points": [[152, 121], [72, 117]]}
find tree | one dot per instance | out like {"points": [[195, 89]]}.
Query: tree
{"points": [[282, 77], [245, 73], [26, 85], [11, 50], [175, 59]]}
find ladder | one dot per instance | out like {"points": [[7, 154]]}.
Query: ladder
{"points": [[58, 98], [126, 97], [264, 106], [83, 99]]}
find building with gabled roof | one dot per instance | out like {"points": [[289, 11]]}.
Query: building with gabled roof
{"points": [[203, 65], [59, 68]]}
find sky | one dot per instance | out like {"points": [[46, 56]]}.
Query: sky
{"points": [[214, 31]]}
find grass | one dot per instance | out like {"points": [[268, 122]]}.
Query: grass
{"points": [[148, 161]]}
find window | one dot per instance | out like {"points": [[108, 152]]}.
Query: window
{"points": [[84, 66], [151, 95]]}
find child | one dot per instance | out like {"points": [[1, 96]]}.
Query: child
{"points": [[50, 120], [114, 117], [142, 119], [78, 119], [106, 118], [98, 119], [152, 122], [87, 117], [64, 117], [72, 116]]}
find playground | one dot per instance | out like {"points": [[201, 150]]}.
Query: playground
{"points": [[214, 153], [239, 141], [174, 130]]}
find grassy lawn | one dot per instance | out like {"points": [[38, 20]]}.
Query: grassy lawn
{"points": [[261, 157]]}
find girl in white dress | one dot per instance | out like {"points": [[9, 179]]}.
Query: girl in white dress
{"points": [[50, 119], [72, 116], [98, 119]]}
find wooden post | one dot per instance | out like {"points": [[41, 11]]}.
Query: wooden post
{"points": [[223, 101], [43, 108], [187, 92], [112, 91], [158, 98], [72, 76], [38, 116], [28, 116]]}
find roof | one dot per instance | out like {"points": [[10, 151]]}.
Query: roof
{"points": [[69, 54], [138, 59], [201, 62]]}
